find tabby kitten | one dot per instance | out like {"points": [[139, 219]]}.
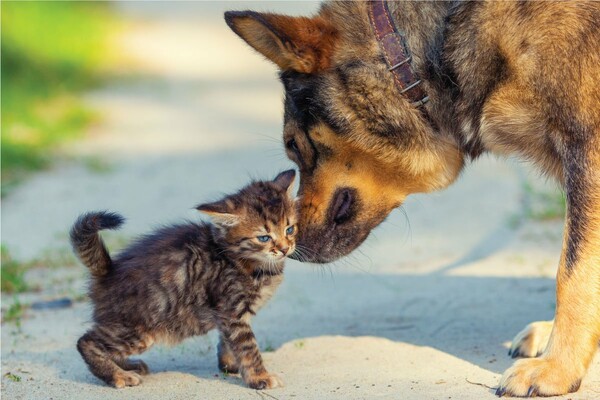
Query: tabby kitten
{"points": [[184, 280]]}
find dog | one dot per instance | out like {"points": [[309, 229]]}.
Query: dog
{"points": [[386, 99]]}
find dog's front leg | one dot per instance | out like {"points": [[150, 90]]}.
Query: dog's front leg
{"points": [[576, 331]]}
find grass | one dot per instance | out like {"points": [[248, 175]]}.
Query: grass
{"points": [[540, 205], [13, 271], [268, 346], [97, 165], [13, 377], [545, 205], [13, 274], [51, 52], [54, 258], [14, 312]]}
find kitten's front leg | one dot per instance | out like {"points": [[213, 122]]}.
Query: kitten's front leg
{"points": [[227, 360], [238, 336]]}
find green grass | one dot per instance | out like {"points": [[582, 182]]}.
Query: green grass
{"points": [[539, 205], [13, 274], [97, 165], [51, 52], [14, 312], [57, 257], [13, 271], [268, 346], [13, 377], [545, 205]]}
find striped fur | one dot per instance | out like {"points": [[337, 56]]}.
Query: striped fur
{"points": [[184, 280]]}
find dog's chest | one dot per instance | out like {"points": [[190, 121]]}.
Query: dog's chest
{"points": [[509, 127]]}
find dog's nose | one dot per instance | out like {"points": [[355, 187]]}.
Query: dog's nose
{"points": [[284, 250], [342, 205]]}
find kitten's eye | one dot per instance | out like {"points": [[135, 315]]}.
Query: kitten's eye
{"points": [[289, 230], [264, 238]]}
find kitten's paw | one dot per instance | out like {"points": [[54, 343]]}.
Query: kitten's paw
{"points": [[539, 377], [228, 368], [137, 366], [531, 341], [265, 381], [126, 378], [227, 362]]}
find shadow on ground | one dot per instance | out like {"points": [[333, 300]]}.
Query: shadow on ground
{"points": [[469, 318]]}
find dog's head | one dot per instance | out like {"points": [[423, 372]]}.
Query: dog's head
{"points": [[360, 146]]}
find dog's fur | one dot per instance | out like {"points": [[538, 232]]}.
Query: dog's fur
{"points": [[512, 78]]}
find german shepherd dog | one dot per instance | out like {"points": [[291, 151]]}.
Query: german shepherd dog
{"points": [[510, 78]]}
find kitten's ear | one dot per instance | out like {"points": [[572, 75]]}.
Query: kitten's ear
{"points": [[222, 212], [285, 180], [298, 43]]}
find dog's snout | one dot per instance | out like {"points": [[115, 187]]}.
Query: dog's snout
{"points": [[342, 205]]}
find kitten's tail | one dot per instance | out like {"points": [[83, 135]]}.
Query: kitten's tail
{"points": [[87, 243]]}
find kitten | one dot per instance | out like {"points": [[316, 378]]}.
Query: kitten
{"points": [[187, 279]]}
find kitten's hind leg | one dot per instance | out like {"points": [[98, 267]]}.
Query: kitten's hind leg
{"points": [[137, 366], [134, 344], [105, 350], [227, 360], [93, 349]]}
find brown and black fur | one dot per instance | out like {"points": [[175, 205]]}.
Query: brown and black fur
{"points": [[510, 78], [184, 280]]}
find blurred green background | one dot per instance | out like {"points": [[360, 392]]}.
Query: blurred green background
{"points": [[51, 52]]}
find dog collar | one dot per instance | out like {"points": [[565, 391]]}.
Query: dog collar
{"points": [[396, 53]]}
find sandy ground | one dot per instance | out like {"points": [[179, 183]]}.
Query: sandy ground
{"points": [[425, 309]]}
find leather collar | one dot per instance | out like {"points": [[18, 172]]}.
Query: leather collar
{"points": [[396, 52]]}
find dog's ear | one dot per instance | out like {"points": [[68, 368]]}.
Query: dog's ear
{"points": [[285, 181], [293, 43]]}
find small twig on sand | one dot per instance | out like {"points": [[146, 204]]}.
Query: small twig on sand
{"points": [[479, 384], [263, 394]]}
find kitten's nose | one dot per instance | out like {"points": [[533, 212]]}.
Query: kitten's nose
{"points": [[284, 250]]}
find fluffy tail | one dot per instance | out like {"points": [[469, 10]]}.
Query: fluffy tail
{"points": [[87, 243]]}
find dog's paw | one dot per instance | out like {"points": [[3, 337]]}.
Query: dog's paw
{"points": [[538, 377], [264, 381], [126, 378], [531, 341]]}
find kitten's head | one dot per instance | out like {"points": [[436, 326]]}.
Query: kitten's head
{"points": [[258, 222]]}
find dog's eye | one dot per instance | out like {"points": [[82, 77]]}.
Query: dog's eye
{"points": [[292, 145]]}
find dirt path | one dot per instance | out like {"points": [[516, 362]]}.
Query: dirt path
{"points": [[424, 310]]}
